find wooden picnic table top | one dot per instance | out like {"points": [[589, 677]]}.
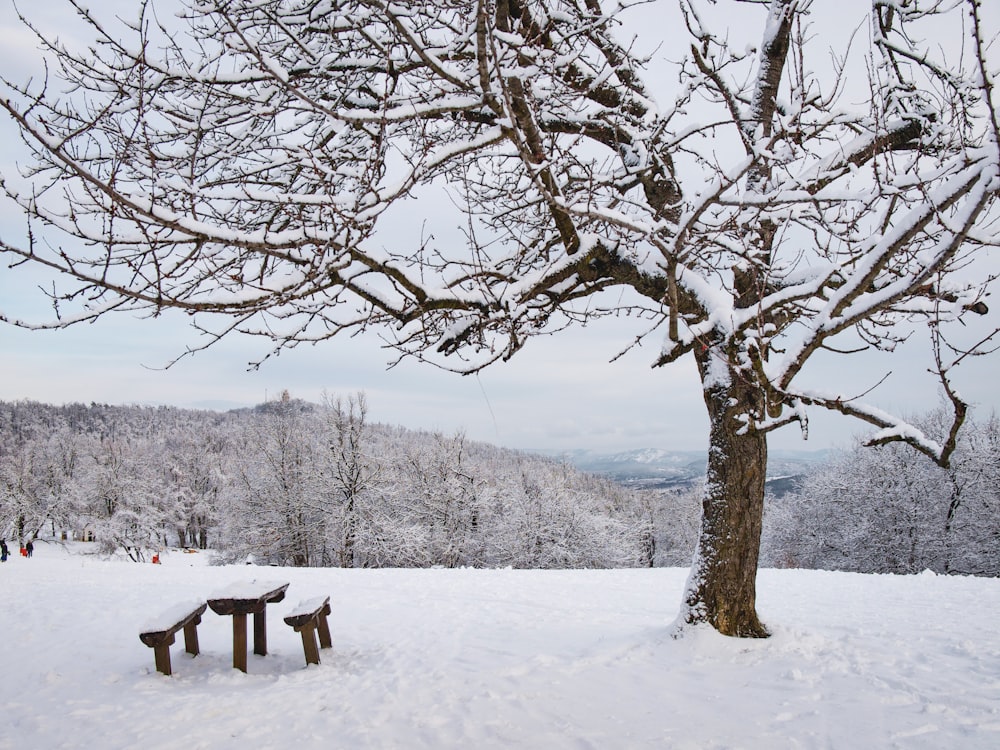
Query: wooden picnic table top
{"points": [[245, 597]]}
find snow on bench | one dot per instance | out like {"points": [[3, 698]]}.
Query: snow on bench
{"points": [[307, 617], [158, 632]]}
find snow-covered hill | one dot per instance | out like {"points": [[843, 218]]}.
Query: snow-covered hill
{"points": [[655, 468], [442, 659]]}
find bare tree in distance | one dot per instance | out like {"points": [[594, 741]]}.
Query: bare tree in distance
{"points": [[351, 470], [744, 203]]}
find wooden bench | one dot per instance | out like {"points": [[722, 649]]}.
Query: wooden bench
{"points": [[308, 617], [241, 599], [159, 632]]}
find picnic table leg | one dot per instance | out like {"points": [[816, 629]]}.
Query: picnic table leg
{"points": [[240, 641], [308, 633], [260, 633], [191, 636], [324, 628], [161, 653]]}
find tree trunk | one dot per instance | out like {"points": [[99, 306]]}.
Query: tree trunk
{"points": [[350, 524], [722, 588]]}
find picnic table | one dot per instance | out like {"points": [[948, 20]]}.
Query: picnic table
{"points": [[241, 599]]}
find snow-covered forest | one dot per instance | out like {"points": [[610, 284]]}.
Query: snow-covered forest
{"points": [[300, 484], [885, 510], [872, 510]]}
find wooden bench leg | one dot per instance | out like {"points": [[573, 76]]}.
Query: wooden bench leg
{"points": [[324, 628], [161, 653], [308, 632], [191, 637], [260, 633], [240, 642]]}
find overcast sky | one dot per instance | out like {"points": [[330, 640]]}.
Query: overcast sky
{"points": [[560, 392]]}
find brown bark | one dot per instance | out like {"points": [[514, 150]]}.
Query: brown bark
{"points": [[722, 589]]}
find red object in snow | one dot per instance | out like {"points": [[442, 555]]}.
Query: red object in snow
{"points": [[24, 552], [156, 559]]}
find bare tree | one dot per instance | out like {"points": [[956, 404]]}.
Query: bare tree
{"points": [[352, 471], [239, 169], [276, 510]]}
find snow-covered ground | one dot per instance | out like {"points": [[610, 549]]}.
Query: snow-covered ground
{"points": [[496, 659]]}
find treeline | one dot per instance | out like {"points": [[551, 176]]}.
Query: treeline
{"points": [[298, 484], [890, 510]]}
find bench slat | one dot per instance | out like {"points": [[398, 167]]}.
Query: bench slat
{"points": [[306, 610], [160, 628]]}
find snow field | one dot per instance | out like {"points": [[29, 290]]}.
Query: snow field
{"points": [[497, 659]]}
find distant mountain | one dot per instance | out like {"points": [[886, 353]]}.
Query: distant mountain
{"points": [[655, 468]]}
